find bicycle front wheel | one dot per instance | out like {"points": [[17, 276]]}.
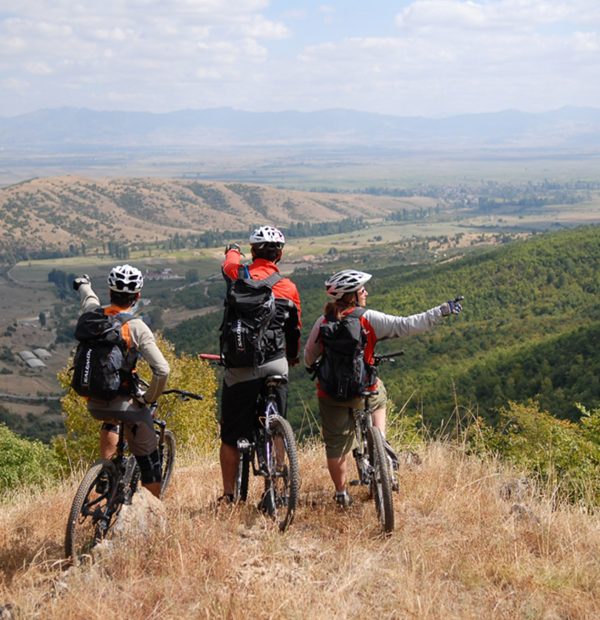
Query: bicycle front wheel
{"points": [[167, 460], [92, 511], [283, 480], [381, 481]]}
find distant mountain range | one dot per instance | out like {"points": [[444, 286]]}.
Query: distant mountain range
{"points": [[71, 129]]}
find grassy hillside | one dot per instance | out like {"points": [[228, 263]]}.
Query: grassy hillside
{"points": [[471, 542], [528, 328], [62, 216]]}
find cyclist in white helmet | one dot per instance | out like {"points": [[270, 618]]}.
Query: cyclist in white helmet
{"points": [[125, 284], [348, 297], [242, 385]]}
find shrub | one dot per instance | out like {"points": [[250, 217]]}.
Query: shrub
{"points": [[24, 462], [562, 454], [193, 422]]}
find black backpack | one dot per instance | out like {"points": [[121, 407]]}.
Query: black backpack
{"points": [[342, 371], [102, 364], [249, 312]]}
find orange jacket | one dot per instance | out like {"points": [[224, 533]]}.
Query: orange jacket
{"points": [[284, 289]]}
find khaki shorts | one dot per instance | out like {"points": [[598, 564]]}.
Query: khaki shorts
{"points": [[337, 420], [138, 424]]}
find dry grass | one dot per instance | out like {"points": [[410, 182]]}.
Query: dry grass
{"points": [[459, 551]]}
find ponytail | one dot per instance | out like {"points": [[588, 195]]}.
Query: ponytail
{"points": [[338, 307]]}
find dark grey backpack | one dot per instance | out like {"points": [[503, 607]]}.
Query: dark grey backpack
{"points": [[342, 371], [249, 312], [102, 365]]}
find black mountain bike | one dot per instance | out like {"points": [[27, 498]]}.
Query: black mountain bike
{"points": [[110, 484], [272, 454], [373, 463]]}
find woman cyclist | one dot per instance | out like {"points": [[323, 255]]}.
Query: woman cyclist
{"points": [[348, 296]]}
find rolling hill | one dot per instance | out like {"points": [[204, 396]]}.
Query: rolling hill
{"points": [[54, 213], [529, 328]]}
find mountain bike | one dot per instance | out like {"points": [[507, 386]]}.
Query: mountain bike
{"points": [[372, 459], [272, 453], [108, 485]]}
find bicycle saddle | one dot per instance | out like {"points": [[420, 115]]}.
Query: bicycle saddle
{"points": [[275, 380]]}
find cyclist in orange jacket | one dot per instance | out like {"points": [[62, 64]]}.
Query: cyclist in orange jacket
{"points": [[242, 386]]}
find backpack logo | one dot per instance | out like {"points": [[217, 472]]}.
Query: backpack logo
{"points": [[85, 380], [342, 371], [102, 362], [249, 312]]}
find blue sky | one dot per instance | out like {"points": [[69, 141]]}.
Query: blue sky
{"points": [[409, 58]]}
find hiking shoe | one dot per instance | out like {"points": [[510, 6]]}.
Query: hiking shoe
{"points": [[343, 499], [225, 499]]}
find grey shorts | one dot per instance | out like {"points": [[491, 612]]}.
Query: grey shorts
{"points": [[337, 420], [137, 420]]}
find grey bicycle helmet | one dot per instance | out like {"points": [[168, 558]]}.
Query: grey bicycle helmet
{"points": [[125, 279], [267, 235], [346, 281]]}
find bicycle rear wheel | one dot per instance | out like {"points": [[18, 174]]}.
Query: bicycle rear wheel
{"points": [[283, 480], [167, 460], [92, 511], [240, 492], [381, 482]]}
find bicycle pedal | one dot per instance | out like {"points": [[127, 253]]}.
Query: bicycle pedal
{"points": [[243, 445], [354, 483]]}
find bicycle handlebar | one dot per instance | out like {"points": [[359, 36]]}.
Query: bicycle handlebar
{"points": [[386, 357], [183, 393]]}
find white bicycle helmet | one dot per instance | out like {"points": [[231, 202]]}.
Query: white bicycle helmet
{"points": [[346, 281], [267, 234], [125, 279]]}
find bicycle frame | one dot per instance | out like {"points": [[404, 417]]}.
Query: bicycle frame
{"points": [[259, 450], [363, 421]]}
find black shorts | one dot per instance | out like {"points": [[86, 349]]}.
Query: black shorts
{"points": [[238, 408]]}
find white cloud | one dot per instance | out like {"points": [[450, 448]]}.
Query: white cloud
{"points": [[38, 68], [436, 57]]}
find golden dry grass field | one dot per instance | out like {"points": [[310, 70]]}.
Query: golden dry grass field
{"points": [[462, 549]]}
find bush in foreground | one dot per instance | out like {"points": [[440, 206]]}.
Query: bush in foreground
{"points": [[24, 462]]}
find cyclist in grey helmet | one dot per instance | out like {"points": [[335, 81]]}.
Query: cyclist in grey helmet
{"points": [[348, 295], [129, 407]]}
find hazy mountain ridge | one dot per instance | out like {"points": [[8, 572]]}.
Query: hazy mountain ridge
{"points": [[73, 128]]}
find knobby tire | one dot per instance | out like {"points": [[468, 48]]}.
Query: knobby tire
{"points": [[283, 489], [84, 530], [167, 455], [381, 482]]}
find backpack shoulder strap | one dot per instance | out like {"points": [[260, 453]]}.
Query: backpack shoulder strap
{"points": [[272, 279], [357, 312]]}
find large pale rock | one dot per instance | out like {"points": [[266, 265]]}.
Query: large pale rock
{"points": [[143, 517]]}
